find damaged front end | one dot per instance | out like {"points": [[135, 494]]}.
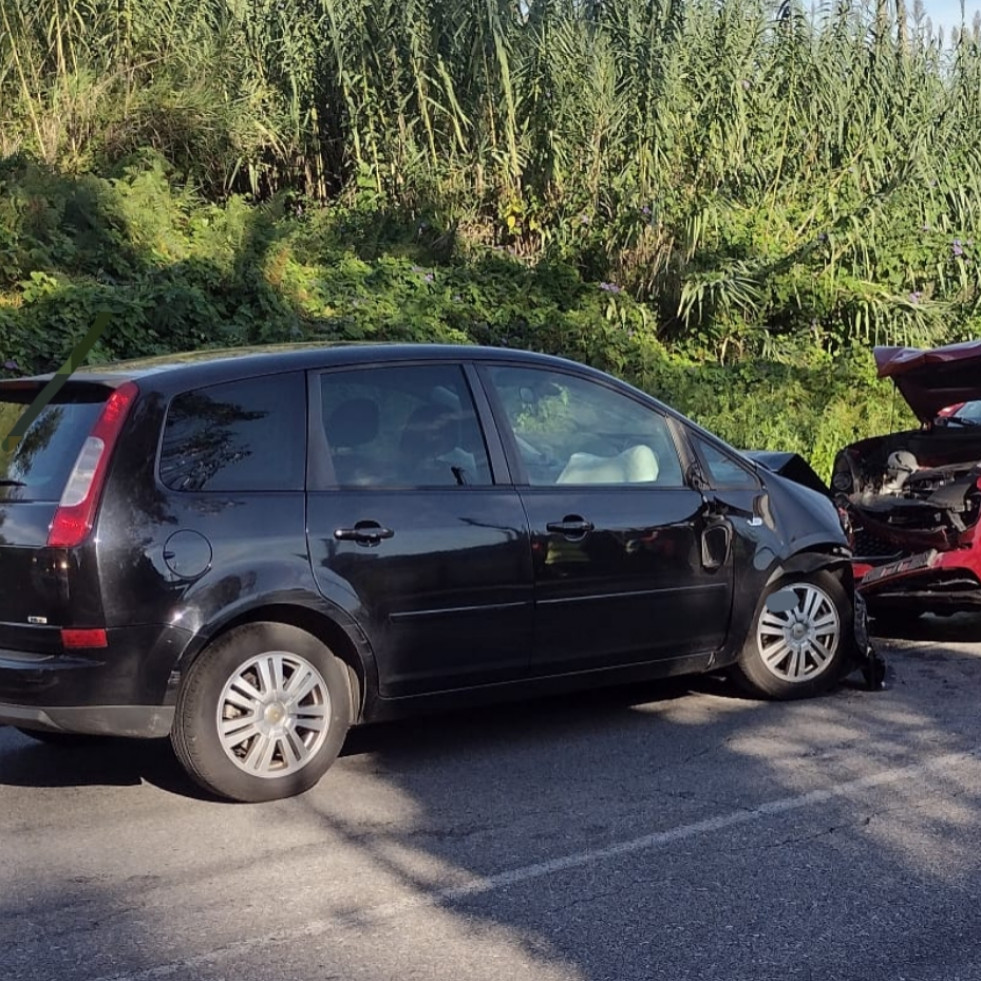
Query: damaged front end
{"points": [[938, 582], [913, 499], [898, 507], [793, 467], [871, 663]]}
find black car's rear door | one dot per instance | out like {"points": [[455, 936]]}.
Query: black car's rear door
{"points": [[414, 528], [629, 565]]}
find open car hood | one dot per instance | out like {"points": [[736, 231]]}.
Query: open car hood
{"points": [[931, 380]]}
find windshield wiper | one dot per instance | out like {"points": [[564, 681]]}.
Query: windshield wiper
{"points": [[12, 483]]}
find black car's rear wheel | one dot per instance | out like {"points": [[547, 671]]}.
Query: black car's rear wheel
{"points": [[263, 713], [799, 641]]}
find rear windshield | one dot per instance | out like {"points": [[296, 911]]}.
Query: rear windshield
{"points": [[37, 468]]}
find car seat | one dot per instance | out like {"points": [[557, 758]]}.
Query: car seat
{"points": [[429, 449], [351, 426], [636, 464]]}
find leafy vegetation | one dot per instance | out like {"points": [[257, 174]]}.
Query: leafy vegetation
{"points": [[727, 202]]}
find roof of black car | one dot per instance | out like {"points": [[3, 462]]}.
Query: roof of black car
{"points": [[231, 363]]}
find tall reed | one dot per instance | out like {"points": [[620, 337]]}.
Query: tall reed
{"points": [[758, 171]]}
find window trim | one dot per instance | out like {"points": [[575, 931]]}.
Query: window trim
{"points": [[321, 476], [516, 463], [695, 437]]}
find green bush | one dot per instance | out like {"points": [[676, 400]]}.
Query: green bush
{"points": [[176, 273]]}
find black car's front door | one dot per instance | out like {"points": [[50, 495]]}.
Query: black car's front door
{"points": [[408, 530], [628, 564]]}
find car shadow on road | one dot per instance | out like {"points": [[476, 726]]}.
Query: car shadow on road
{"points": [[527, 719], [964, 628], [494, 798], [26, 762], [546, 719]]}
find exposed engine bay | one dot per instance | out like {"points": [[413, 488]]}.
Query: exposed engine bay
{"points": [[912, 498], [903, 506]]}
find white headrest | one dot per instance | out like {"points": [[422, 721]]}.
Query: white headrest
{"points": [[636, 464]]}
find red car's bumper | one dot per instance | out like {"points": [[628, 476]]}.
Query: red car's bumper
{"points": [[931, 580]]}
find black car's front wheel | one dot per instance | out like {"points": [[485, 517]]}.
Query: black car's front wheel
{"points": [[800, 638], [262, 713]]}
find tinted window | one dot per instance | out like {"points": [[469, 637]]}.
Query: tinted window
{"points": [[242, 436], [569, 430], [37, 468], [412, 426], [723, 470]]}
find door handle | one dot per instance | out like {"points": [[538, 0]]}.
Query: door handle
{"points": [[716, 544], [364, 533], [572, 526]]}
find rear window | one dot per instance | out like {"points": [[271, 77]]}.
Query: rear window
{"points": [[38, 467], [241, 436]]}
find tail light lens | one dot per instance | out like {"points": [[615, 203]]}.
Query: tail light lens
{"points": [[76, 511], [74, 639]]}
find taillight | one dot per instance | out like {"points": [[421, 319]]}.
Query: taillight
{"points": [[75, 515], [73, 639]]}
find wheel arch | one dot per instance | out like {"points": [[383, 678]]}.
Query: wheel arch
{"points": [[829, 558], [814, 557], [806, 566], [346, 642]]}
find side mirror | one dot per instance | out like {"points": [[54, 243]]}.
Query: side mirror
{"points": [[695, 477]]}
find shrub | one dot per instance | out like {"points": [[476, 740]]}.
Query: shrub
{"points": [[177, 273]]}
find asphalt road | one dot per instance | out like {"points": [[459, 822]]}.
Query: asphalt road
{"points": [[671, 832]]}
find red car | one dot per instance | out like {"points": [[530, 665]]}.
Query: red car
{"points": [[914, 498]]}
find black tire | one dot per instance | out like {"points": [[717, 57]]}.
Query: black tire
{"points": [[819, 664], [217, 687], [63, 740]]}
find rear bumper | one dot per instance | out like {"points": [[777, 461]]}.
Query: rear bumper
{"points": [[125, 689], [138, 721]]}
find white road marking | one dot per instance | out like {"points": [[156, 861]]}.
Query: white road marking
{"points": [[480, 885]]}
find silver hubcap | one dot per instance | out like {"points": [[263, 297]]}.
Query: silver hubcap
{"points": [[798, 635], [273, 714]]}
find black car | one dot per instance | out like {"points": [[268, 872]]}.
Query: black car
{"points": [[249, 551]]}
